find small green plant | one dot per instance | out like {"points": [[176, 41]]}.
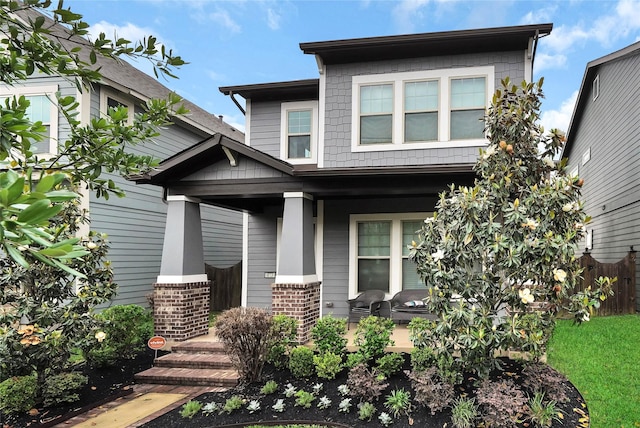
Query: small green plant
{"points": [[301, 362], [328, 335], [389, 364], [232, 404], [62, 388], [422, 358], [304, 399], [366, 411], [278, 406], [540, 413], [328, 365], [385, 419], [283, 336], [373, 335], [324, 402], [345, 405], [210, 408], [464, 412], [398, 402], [190, 408], [290, 390], [269, 388], [253, 406], [355, 358], [18, 394]]}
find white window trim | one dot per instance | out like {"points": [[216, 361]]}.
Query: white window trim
{"points": [[595, 87], [444, 77], [299, 105], [395, 264], [50, 92], [122, 99]]}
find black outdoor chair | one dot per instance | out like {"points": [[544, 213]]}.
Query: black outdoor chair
{"points": [[367, 303]]}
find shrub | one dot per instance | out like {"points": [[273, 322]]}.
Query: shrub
{"points": [[283, 336], [366, 411], [232, 404], [389, 364], [422, 358], [364, 383], [500, 403], [328, 335], [464, 412], [421, 332], [355, 358], [246, 334], [431, 391], [127, 329], [18, 394], [399, 401], [269, 388], [190, 408], [62, 388], [328, 365], [373, 335], [304, 399], [301, 362]]}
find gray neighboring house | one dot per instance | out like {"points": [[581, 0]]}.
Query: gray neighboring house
{"points": [[603, 148], [338, 172], [135, 224]]}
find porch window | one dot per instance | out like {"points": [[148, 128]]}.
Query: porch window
{"points": [[374, 241], [376, 114], [421, 111], [468, 101], [410, 277], [299, 134]]}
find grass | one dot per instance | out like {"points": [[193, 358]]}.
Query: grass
{"points": [[602, 359]]}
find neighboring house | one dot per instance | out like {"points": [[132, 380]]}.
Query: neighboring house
{"points": [[135, 224], [338, 173], [603, 148]]}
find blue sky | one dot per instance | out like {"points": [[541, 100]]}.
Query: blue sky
{"points": [[236, 42]]}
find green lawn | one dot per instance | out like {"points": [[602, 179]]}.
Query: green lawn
{"points": [[602, 359]]}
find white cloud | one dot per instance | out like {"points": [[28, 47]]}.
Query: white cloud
{"points": [[541, 15], [545, 61], [560, 118], [273, 19], [223, 19], [215, 76], [406, 12]]}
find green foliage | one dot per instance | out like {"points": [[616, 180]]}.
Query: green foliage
{"points": [[328, 335], [511, 238], [422, 358], [366, 411], [269, 388], [327, 365], [232, 404], [301, 362], [18, 394], [542, 412], [398, 402], [246, 334], [389, 364], [63, 388], [373, 335], [464, 413], [283, 334], [190, 408], [127, 328], [355, 358], [304, 399]]}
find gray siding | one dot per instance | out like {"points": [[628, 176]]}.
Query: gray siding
{"points": [[265, 127], [135, 224], [246, 168], [262, 257], [610, 128]]}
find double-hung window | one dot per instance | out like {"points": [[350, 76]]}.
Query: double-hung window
{"points": [[43, 107], [110, 100], [379, 252], [298, 132], [420, 109]]}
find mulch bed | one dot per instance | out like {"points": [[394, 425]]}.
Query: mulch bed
{"points": [[420, 417], [105, 384]]}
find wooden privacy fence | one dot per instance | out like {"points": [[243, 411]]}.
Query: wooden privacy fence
{"points": [[226, 287], [624, 299]]}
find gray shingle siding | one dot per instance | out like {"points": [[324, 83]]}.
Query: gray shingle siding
{"points": [[610, 129], [265, 127], [246, 169]]}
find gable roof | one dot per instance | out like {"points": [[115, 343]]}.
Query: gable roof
{"points": [[584, 93], [125, 78], [426, 44]]}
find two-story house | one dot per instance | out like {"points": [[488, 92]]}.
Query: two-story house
{"points": [[135, 224], [337, 173], [603, 148]]}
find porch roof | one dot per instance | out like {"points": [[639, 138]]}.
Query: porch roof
{"points": [[254, 194]]}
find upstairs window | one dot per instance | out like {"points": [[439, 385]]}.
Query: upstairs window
{"points": [[43, 107], [420, 109], [112, 100], [299, 132]]}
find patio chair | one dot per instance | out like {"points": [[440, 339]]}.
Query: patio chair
{"points": [[409, 304], [367, 303]]}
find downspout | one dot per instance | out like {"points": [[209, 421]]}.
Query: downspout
{"points": [[231, 94], [535, 48]]}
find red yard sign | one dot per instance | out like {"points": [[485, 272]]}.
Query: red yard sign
{"points": [[157, 342]]}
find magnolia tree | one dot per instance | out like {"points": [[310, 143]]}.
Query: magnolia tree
{"points": [[499, 258], [51, 278]]}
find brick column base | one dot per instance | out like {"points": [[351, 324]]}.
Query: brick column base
{"points": [[299, 301], [181, 311]]}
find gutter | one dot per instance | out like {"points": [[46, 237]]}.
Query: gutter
{"points": [[231, 94]]}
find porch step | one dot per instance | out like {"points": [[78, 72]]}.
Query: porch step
{"points": [[195, 363]]}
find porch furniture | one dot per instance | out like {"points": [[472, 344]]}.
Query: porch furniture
{"points": [[367, 303], [409, 304]]}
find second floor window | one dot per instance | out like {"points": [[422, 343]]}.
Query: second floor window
{"points": [[376, 114], [299, 134], [421, 111], [468, 99], [40, 111]]}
